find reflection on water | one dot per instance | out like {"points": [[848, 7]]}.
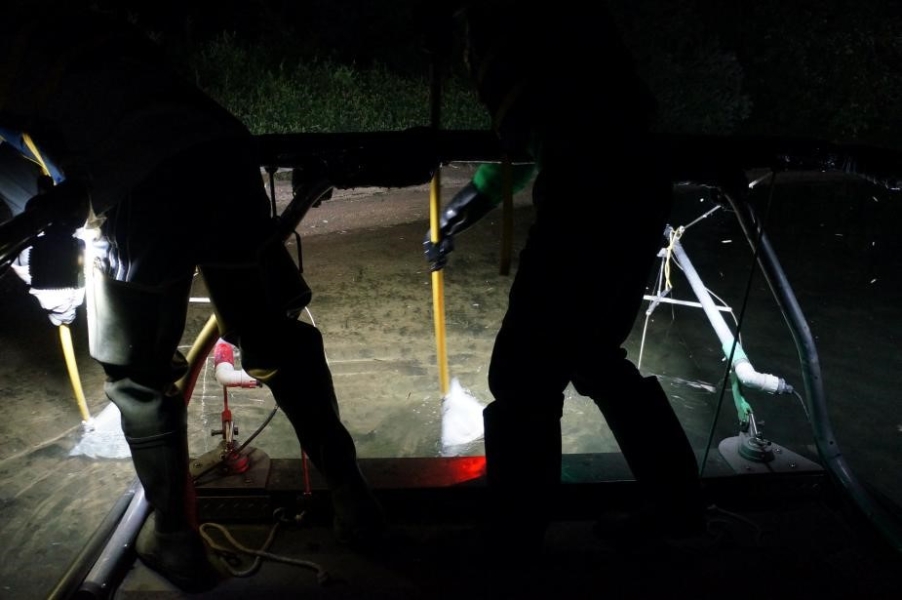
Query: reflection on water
{"points": [[834, 241], [838, 243], [104, 437]]}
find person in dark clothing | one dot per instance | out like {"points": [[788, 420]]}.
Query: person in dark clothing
{"points": [[562, 90], [167, 170]]}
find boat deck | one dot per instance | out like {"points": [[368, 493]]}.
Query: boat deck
{"points": [[784, 534]]}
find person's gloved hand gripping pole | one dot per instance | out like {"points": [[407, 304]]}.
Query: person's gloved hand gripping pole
{"points": [[52, 265], [475, 200]]}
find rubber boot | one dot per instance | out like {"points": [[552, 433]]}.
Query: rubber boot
{"points": [[305, 394], [523, 473], [169, 542], [661, 458]]}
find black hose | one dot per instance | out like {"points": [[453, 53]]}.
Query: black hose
{"points": [[110, 567], [886, 523], [75, 575]]}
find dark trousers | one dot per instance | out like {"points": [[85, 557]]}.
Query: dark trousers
{"points": [[578, 289], [207, 210]]}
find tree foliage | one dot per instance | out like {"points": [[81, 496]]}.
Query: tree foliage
{"points": [[826, 69], [823, 69]]}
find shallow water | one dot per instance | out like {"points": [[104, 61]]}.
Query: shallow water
{"points": [[836, 238]]}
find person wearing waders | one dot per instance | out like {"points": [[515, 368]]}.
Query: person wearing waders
{"points": [[562, 91], [171, 175]]}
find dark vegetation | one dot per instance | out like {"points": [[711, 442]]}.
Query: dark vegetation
{"points": [[816, 68]]}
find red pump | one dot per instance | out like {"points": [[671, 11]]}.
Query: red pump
{"points": [[228, 376]]}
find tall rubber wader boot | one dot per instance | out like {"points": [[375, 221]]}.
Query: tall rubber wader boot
{"points": [[523, 473], [302, 387], [660, 456], [142, 363]]}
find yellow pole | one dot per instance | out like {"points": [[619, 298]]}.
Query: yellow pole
{"points": [[65, 333], [438, 285], [435, 205], [72, 368], [199, 350]]}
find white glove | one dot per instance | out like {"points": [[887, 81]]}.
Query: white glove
{"points": [[60, 304], [20, 266]]}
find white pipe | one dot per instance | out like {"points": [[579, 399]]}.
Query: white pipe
{"points": [[760, 381], [744, 370], [224, 368], [227, 375], [663, 300]]}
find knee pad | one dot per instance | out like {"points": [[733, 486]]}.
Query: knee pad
{"points": [[135, 328], [289, 343], [601, 373], [531, 377], [283, 283], [151, 412], [247, 295]]}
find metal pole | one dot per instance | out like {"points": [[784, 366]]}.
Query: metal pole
{"points": [[435, 203]]}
